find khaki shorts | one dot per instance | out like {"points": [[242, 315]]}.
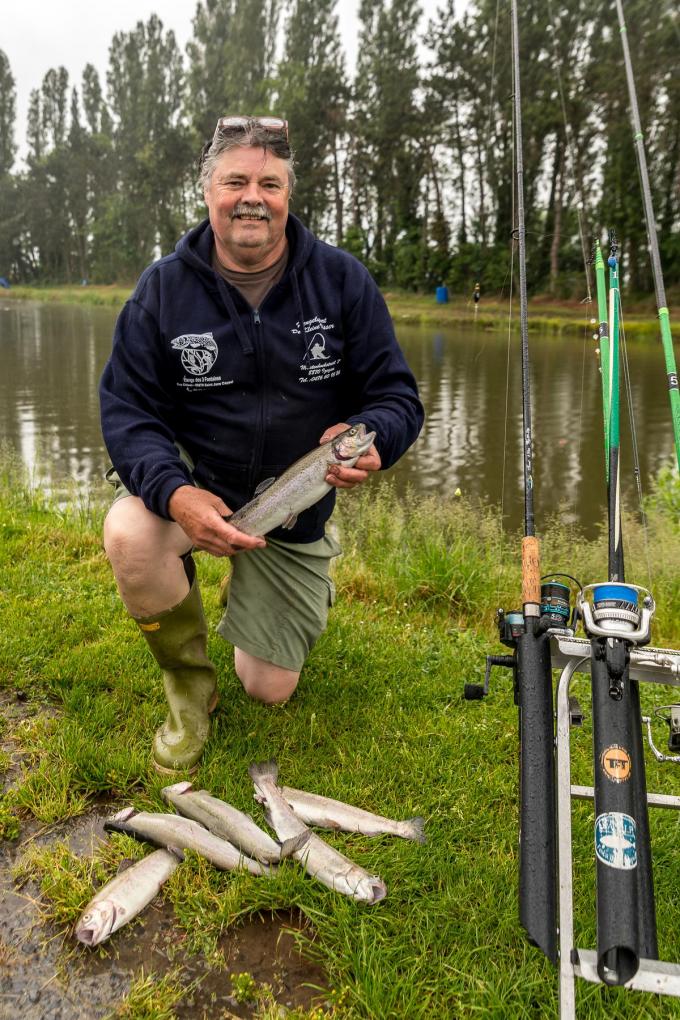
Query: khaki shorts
{"points": [[279, 596]]}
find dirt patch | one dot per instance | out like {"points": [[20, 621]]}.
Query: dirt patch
{"points": [[15, 708], [39, 981]]}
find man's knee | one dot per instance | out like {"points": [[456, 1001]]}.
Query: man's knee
{"points": [[263, 680], [136, 540]]}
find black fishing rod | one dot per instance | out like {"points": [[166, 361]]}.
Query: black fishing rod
{"points": [[537, 863], [626, 922], [525, 633]]}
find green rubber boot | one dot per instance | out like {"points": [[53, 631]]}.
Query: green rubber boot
{"points": [[178, 641]]}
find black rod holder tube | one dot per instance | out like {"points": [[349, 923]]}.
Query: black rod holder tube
{"points": [[537, 841], [616, 832]]}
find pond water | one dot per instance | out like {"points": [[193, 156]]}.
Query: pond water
{"points": [[53, 355]]}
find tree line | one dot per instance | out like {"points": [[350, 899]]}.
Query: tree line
{"points": [[408, 162]]}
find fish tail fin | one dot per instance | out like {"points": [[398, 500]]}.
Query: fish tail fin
{"points": [[414, 828], [264, 770], [289, 846]]}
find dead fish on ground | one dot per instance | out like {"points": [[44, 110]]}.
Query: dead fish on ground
{"points": [[229, 823], [333, 814], [320, 860], [277, 502], [125, 896], [173, 831]]}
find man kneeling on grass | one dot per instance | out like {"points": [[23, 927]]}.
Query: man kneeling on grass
{"points": [[233, 357]]}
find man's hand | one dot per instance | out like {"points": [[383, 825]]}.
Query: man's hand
{"points": [[199, 513], [346, 477]]}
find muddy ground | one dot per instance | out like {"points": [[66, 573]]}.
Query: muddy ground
{"points": [[43, 978]]}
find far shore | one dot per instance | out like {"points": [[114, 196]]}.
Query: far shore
{"points": [[546, 315]]}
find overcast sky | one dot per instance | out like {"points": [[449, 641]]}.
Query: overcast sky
{"points": [[39, 34]]}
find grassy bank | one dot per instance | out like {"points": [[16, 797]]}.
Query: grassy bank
{"points": [[545, 316], [378, 720]]}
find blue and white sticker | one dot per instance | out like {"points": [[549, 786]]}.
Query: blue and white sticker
{"points": [[616, 840]]}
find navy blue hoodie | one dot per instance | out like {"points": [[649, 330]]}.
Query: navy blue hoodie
{"points": [[248, 392]]}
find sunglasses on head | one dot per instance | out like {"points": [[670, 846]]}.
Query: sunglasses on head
{"points": [[274, 124]]}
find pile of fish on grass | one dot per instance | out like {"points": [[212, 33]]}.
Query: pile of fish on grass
{"points": [[231, 840]]}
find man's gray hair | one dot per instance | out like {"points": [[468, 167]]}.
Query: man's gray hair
{"points": [[255, 136]]}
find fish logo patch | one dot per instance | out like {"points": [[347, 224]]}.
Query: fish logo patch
{"points": [[616, 840], [199, 352], [615, 763]]}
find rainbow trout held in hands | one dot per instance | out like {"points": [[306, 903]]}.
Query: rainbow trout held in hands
{"points": [[229, 823], [320, 860], [278, 501], [326, 813], [173, 831], [125, 896]]}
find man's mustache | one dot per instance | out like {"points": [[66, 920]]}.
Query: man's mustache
{"points": [[254, 212]]}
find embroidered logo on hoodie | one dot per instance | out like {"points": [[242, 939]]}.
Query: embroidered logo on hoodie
{"points": [[320, 363], [199, 354]]}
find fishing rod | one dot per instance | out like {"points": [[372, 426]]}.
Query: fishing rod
{"points": [[602, 336], [616, 618], [652, 239], [626, 923], [537, 849], [525, 633]]}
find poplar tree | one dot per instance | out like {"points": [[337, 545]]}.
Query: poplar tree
{"points": [[232, 58], [145, 214], [7, 115], [312, 94], [388, 154], [9, 213]]}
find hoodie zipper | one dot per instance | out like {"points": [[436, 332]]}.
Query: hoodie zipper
{"points": [[259, 444]]}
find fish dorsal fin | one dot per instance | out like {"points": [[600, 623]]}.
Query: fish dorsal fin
{"points": [[264, 485]]}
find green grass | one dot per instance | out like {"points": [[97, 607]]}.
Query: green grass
{"points": [[545, 315], [111, 294], [378, 720]]}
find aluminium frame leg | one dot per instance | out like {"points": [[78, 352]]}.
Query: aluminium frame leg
{"points": [[567, 983]]}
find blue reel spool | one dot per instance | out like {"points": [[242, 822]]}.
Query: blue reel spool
{"points": [[616, 602]]}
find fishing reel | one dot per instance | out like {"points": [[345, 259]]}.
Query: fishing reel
{"points": [[614, 611], [555, 616], [671, 716]]}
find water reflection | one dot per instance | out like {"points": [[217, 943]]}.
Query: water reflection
{"points": [[53, 355]]}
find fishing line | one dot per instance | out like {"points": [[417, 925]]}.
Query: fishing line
{"points": [[570, 152], [571, 172], [493, 88], [634, 439]]}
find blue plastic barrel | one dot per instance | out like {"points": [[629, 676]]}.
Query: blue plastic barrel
{"points": [[442, 295]]}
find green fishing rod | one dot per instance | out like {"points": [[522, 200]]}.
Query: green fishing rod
{"points": [[603, 338], [626, 920], [652, 240]]}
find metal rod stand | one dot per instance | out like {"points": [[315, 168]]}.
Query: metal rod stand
{"points": [[649, 665]]}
